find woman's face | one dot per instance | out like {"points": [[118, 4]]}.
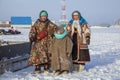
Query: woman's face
{"points": [[43, 18], [75, 17]]}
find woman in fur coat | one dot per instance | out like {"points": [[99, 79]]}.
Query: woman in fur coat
{"points": [[79, 32], [40, 36]]}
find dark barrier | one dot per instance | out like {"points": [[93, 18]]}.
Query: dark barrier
{"points": [[14, 50], [14, 64], [14, 57]]}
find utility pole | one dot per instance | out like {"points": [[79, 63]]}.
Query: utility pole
{"points": [[63, 19], [63, 10]]}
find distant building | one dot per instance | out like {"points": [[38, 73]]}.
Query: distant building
{"points": [[117, 22], [21, 21], [5, 23]]}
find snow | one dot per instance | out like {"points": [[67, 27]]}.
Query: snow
{"points": [[20, 37], [104, 65], [116, 26], [98, 27]]}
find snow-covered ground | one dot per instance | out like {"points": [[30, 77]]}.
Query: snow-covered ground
{"points": [[20, 37], [104, 65]]}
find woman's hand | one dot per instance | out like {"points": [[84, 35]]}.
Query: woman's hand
{"points": [[68, 28], [88, 40]]}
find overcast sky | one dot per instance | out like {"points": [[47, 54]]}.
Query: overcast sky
{"points": [[94, 11]]}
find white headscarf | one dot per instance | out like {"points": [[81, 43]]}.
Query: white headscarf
{"points": [[76, 25]]}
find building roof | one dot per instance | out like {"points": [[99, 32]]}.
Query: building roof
{"points": [[21, 20]]}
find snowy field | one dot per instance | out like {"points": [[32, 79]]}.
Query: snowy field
{"points": [[20, 37], [104, 65]]}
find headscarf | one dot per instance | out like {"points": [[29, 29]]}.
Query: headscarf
{"points": [[77, 23]]}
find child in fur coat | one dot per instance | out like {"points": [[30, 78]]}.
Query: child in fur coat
{"points": [[61, 48]]}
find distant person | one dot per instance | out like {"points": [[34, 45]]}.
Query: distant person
{"points": [[13, 31], [80, 35], [41, 35], [61, 50]]}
